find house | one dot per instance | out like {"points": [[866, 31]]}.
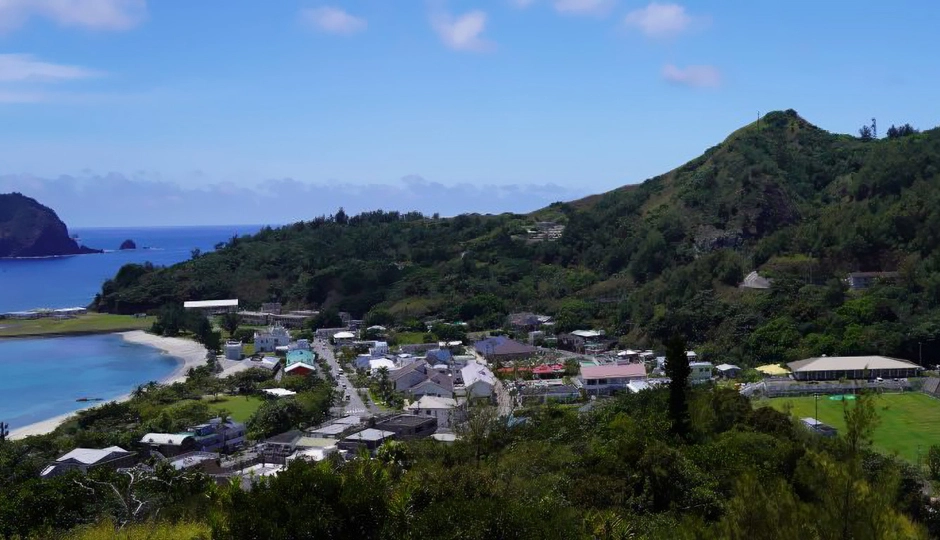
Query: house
{"points": [[233, 350], [376, 364], [290, 320], [407, 377], [584, 341], [370, 439], [343, 338], [268, 341], [599, 380], [478, 380], [279, 447], [300, 362], [503, 349], [84, 459], [437, 384], [335, 430], [379, 348], [447, 411], [864, 280], [169, 444], [254, 318], [852, 367], [700, 372], [728, 371], [212, 307], [439, 356], [217, 434], [407, 427], [270, 364], [548, 371]]}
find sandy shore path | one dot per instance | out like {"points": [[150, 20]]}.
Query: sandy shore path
{"points": [[188, 353]]}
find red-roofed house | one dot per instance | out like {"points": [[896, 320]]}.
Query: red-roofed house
{"points": [[610, 378], [548, 371]]}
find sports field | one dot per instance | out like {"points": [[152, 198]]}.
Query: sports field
{"points": [[907, 421]]}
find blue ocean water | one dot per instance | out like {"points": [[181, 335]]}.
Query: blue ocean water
{"points": [[42, 378], [73, 281]]}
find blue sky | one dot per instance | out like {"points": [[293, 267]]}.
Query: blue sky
{"points": [[136, 112]]}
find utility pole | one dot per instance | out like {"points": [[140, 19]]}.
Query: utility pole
{"points": [[4, 431]]}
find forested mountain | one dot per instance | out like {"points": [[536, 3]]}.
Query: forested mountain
{"points": [[799, 204]]}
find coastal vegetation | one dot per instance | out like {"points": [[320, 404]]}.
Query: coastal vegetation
{"points": [[801, 206], [620, 470], [89, 323]]}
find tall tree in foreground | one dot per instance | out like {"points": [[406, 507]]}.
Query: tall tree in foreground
{"points": [[678, 371]]}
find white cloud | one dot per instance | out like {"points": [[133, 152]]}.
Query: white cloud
{"points": [[694, 76], [659, 20], [333, 20], [15, 97], [584, 7], [462, 33], [26, 68], [522, 4], [90, 14]]}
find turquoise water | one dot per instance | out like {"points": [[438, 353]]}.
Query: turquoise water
{"points": [[42, 378]]}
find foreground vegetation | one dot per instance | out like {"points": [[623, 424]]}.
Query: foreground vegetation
{"points": [[909, 424], [803, 206], [620, 471], [91, 323]]}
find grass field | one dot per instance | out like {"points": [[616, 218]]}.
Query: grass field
{"points": [[410, 338], [239, 407], [907, 421], [83, 324]]}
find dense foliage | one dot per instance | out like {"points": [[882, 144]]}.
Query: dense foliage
{"points": [[618, 471], [803, 206]]}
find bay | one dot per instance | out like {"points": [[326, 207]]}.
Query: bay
{"points": [[42, 378]]}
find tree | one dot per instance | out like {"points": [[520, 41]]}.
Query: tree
{"points": [[229, 323], [865, 133], [933, 461], [678, 371]]}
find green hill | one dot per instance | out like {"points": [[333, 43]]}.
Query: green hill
{"points": [[801, 205]]}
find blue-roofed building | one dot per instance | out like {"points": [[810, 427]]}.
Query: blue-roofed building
{"points": [[439, 356], [502, 348], [300, 362]]}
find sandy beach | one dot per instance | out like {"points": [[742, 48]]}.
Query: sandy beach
{"points": [[188, 353]]}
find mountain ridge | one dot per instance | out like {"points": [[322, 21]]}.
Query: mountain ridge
{"points": [[800, 204]]}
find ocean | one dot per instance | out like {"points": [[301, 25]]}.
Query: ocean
{"points": [[42, 378], [59, 282]]}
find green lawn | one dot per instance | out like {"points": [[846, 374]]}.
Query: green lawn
{"points": [[239, 407], [907, 421], [83, 324], [410, 338]]}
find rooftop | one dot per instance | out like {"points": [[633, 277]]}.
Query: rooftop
{"points": [[279, 392], [370, 435], [433, 402], [587, 333], [404, 420], [605, 372], [344, 335], [90, 456], [196, 304], [850, 363]]}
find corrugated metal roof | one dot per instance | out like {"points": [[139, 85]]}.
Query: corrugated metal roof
{"points": [[90, 456]]}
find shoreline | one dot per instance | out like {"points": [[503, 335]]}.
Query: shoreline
{"points": [[187, 353]]}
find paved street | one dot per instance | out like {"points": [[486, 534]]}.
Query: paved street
{"points": [[355, 405]]}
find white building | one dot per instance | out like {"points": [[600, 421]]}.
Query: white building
{"points": [[379, 349], [343, 338], [611, 378], [701, 372], [478, 380], [233, 350], [274, 337], [212, 307], [447, 411]]}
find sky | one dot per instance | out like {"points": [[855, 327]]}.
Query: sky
{"points": [[187, 112]]}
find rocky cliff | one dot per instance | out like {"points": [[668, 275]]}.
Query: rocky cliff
{"points": [[29, 229]]}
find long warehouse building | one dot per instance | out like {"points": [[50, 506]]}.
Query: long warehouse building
{"points": [[852, 367]]}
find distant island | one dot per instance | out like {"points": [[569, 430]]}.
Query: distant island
{"points": [[29, 229], [128, 244]]}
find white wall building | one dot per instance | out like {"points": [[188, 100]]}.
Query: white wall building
{"points": [[270, 340], [448, 411], [478, 380]]}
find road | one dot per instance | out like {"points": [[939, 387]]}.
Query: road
{"points": [[355, 405]]}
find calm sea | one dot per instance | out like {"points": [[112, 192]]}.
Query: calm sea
{"points": [[42, 378], [73, 281]]}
